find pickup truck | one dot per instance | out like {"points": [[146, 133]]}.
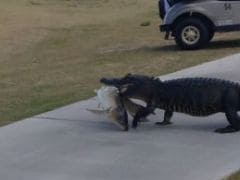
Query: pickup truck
{"points": [[193, 23]]}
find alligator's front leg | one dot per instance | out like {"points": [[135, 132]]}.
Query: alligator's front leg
{"points": [[142, 113], [167, 117], [231, 108]]}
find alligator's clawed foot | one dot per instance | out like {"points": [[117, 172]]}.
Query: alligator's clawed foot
{"points": [[134, 124], [126, 128], [163, 123], [228, 129]]}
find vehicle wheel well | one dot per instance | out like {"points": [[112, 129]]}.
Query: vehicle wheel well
{"points": [[204, 19]]}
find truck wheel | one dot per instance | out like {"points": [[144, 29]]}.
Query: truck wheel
{"points": [[191, 33], [211, 35]]}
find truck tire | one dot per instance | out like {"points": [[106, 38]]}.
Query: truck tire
{"points": [[191, 33], [211, 35]]}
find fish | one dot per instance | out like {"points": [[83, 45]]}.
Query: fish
{"points": [[115, 107]]}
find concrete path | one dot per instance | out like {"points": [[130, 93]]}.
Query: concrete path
{"points": [[72, 144]]}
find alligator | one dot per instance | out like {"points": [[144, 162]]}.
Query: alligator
{"points": [[194, 96]]}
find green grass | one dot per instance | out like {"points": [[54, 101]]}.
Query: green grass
{"points": [[53, 53]]}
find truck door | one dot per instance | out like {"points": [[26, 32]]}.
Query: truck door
{"points": [[230, 11], [234, 8]]}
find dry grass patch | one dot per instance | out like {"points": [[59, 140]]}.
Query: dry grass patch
{"points": [[234, 176], [54, 52]]}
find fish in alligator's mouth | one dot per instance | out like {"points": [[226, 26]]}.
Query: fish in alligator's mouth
{"points": [[115, 106]]}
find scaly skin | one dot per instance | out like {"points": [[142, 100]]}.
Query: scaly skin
{"points": [[193, 96]]}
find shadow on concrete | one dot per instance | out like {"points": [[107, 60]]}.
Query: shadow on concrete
{"points": [[224, 44], [217, 44], [151, 127]]}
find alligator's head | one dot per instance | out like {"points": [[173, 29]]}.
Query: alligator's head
{"points": [[132, 85]]}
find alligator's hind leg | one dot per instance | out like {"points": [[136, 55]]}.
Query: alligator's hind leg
{"points": [[231, 104], [234, 121], [167, 117]]}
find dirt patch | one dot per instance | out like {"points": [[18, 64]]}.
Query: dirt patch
{"points": [[120, 48]]}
